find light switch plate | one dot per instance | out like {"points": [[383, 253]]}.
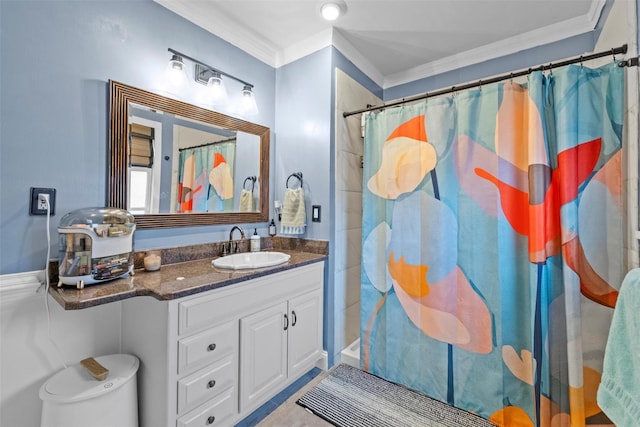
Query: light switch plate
{"points": [[315, 213]]}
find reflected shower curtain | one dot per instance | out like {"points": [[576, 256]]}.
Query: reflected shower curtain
{"points": [[205, 178], [492, 245]]}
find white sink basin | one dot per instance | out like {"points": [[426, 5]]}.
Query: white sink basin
{"points": [[249, 260]]}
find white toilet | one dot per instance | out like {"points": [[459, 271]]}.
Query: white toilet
{"points": [[74, 398]]}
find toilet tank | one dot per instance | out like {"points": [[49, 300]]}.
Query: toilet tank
{"points": [[96, 244]]}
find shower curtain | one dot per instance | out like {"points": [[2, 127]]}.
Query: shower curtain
{"points": [[492, 245], [205, 178]]}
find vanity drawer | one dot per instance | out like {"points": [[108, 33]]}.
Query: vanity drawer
{"points": [[214, 413], [208, 346], [206, 384]]}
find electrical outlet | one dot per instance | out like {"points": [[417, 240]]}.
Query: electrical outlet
{"points": [[38, 204], [43, 201]]}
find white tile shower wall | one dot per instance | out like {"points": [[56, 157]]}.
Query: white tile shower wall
{"points": [[350, 95], [27, 356]]}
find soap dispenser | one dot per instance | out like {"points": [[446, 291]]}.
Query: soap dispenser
{"points": [[255, 241]]}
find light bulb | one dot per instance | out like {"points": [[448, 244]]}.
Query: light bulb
{"points": [[249, 105], [176, 62], [176, 74], [217, 90]]}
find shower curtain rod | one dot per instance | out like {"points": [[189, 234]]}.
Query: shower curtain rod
{"points": [[208, 144], [632, 62]]}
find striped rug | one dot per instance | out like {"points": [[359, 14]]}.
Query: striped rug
{"points": [[349, 397]]}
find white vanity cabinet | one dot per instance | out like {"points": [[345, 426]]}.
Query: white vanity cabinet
{"points": [[211, 359], [278, 343]]}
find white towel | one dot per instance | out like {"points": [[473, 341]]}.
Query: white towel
{"points": [[293, 212], [246, 201], [619, 390]]}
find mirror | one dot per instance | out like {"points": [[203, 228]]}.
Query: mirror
{"points": [[173, 164]]}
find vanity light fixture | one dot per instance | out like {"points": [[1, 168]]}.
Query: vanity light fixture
{"points": [[331, 11], [213, 79]]}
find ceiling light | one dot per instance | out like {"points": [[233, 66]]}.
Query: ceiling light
{"points": [[330, 11]]}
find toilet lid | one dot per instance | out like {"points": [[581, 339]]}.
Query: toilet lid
{"points": [[76, 383]]}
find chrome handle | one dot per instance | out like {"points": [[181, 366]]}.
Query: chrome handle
{"points": [[211, 347], [211, 384], [286, 322], [294, 318], [210, 420]]}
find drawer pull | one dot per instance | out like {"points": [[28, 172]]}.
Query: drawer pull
{"points": [[211, 384], [210, 420], [286, 322], [294, 318], [211, 347]]}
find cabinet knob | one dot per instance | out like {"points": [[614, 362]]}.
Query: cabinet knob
{"points": [[210, 420], [211, 383], [211, 347]]}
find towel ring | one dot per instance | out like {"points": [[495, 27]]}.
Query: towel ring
{"points": [[253, 182], [295, 175]]}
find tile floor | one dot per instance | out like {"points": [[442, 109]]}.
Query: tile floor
{"points": [[259, 414]]}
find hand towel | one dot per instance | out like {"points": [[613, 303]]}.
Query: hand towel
{"points": [[246, 201], [293, 212], [619, 390]]}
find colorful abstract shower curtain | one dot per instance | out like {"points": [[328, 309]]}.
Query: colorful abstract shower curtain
{"points": [[205, 178], [492, 245]]}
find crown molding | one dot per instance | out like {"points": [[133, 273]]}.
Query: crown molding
{"points": [[353, 55], [304, 47], [539, 37]]}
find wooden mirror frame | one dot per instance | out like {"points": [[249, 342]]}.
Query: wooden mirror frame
{"points": [[121, 96]]}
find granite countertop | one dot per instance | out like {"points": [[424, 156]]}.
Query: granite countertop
{"points": [[172, 281]]}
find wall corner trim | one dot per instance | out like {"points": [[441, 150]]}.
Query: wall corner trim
{"points": [[19, 286]]}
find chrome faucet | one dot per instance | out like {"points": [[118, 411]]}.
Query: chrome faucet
{"points": [[235, 227]]}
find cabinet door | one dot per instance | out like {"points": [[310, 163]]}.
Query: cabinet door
{"points": [[305, 332], [263, 355]]}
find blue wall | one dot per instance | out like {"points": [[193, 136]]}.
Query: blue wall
{"points": [[303, 129], [57, 59]]}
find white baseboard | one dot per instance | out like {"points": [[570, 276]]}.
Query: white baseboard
{"points": [[323, 362]]}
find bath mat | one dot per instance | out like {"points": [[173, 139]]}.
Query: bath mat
{"points": [[349, 397]]}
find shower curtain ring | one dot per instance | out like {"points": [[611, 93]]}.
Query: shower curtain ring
{"points": [[613, 54]]}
